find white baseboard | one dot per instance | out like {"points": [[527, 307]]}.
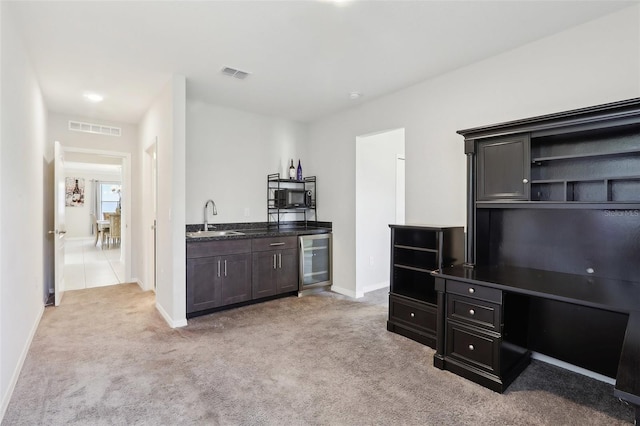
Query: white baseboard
{"points": [[347, 292], [16, 372], [168, 319], [376, 286], [137, 281], [571, 367]]}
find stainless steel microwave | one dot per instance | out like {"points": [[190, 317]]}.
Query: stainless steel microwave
{"points": [[288, 198]]}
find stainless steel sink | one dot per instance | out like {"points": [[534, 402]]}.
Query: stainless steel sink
{"points": [[205, 234]]}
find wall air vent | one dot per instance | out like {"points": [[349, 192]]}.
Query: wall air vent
{"points": [[232, 72], [78, 126]]}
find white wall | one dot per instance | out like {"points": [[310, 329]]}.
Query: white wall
{"points": [[78, 218], [229, 155], [165, 120], [23, 145], [594, 63], [376, 158], [58, 129]]}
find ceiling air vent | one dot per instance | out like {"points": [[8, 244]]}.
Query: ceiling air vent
{"points": [[232, 72], [78, 126]]}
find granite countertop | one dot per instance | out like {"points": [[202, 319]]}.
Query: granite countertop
{"points": [[258, 230]]}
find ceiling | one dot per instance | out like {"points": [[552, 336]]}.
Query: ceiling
{"points": [[304, 57]]}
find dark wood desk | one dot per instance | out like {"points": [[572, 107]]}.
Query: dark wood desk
{"points": [[489, 317]]}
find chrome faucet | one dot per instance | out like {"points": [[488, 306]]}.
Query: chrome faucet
{"points": [[215, 211]]}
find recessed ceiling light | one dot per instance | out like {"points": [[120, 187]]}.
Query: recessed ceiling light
{"points": [[355, 95], [93, 97]]}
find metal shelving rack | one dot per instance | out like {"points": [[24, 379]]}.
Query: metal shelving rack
{"points": [[276, 215]]}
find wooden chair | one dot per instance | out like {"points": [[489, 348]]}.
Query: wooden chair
{"points": [[104, 229], [114, 229]]}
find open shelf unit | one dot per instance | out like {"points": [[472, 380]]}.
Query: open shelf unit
{"points": [[600, 166], [277, 215], [416, 251]]}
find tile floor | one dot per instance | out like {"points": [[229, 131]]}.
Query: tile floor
{"points": [[87, 265]]}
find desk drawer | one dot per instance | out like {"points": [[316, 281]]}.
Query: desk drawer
{"points": [[414, 314], [475, 291], [475, 312], [473, 347]]}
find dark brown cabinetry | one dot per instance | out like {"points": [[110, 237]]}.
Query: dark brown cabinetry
{"points": [[218, 274], [275, 266], [239, 270], [551, 261], [416, 251]]}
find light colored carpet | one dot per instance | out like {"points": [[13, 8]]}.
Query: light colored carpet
{"points": [[105, 356]]}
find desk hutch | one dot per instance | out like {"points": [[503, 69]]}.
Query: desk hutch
{"points": [[552, 253]]}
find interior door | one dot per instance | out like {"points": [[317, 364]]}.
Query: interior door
{"points": [[60, 230]]}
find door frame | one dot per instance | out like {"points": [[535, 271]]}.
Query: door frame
{"points": [[59, 228]]}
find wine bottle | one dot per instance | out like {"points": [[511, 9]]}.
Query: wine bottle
{"points": [[299, 172], [292, 171]]}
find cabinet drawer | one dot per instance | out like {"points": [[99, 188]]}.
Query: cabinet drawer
{"points": [[217, 248], [481, 350], [476, 312], [475, 291], [417, 315], [273, 243]]}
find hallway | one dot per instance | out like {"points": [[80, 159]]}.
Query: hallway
{"points": [[88, 265]]}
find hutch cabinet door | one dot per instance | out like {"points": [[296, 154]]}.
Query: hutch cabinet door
{"points": [[503, 168]]}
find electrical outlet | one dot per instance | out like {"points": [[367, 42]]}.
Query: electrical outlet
{"points": [[247, 212], [371, 260]]}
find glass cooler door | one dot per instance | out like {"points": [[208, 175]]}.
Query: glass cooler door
{"points": [[315, 261]]}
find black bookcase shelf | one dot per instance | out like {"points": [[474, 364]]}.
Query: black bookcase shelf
{"points": [[416, 251]]}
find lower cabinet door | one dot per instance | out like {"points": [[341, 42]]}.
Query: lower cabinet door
{"points": [[264, 272], [473, 347], [287, 262], [203, 284], [235, 278]]}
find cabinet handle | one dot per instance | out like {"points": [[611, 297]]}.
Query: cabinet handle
{"points": [[218, 267], [280, 260], [471, 347], [472, 290], [225, 267], [525, 180], [412, 315], [276, 244], [274, 261], [472, 312]]}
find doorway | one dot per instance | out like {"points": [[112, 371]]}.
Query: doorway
{"points": [[380, 199], [91, 261]]}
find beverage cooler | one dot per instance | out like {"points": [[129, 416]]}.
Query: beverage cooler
{"points": [[315, 261]]}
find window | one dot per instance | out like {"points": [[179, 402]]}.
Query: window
{"points": [[109, 197]]}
